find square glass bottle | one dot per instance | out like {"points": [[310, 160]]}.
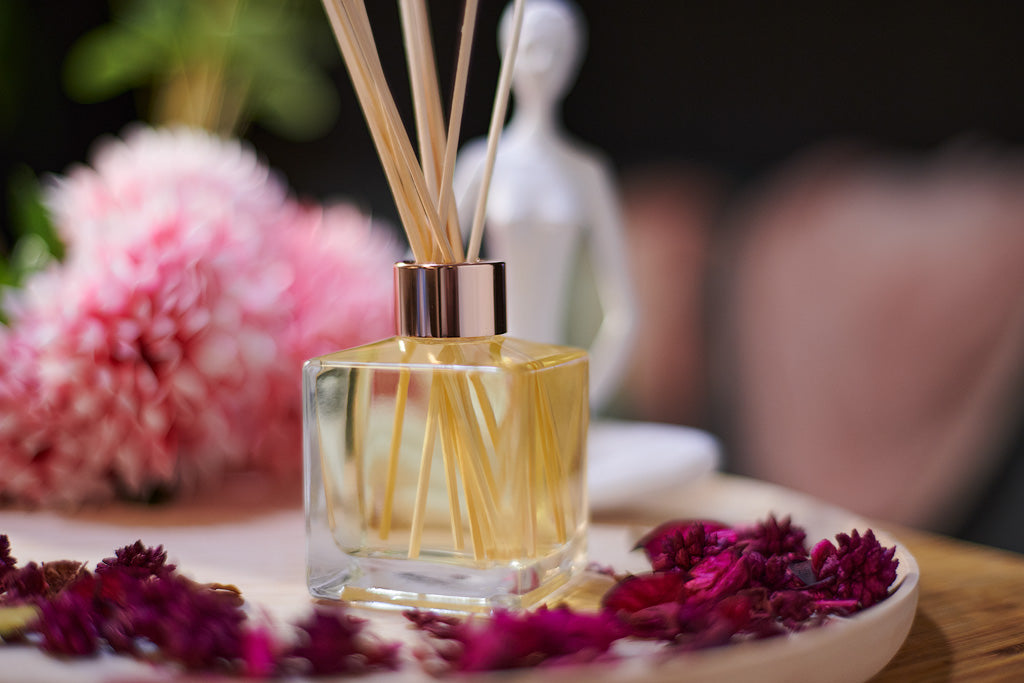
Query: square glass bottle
{"points": [[445, 467]]}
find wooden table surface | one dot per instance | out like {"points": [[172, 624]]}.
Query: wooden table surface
{"points": [[970, 615]]}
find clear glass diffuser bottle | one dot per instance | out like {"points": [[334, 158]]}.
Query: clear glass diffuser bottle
{"points": [[445, 466]]}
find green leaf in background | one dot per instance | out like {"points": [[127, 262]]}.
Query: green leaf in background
{"points": [[214, 64], [29, 215], [109, 61], [36, 242], [289, 92]]}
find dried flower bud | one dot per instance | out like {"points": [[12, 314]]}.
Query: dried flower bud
{"points": [[138, 559], [859, 569], [66, 624], [335, 642], [508, 640], [7, 563]]}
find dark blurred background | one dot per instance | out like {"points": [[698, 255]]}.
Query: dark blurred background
{"points": [[701, 107], [733, 86]]}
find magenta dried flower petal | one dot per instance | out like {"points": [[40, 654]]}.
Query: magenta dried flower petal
{"points": [[772, 572], [641, 591], [437, 625], [165, 616], [793, 607], [335, 642], [657, 622], [24, 584], [720, 575], [66, 624], [774, 537], [7, 562], [679, 544], [713, 622], [778, 572], [682, 549], [139, 559], [859, 568], [190, 623], [712, 584], [259, 653], [649, 603], [548, 637], [822, 552]]}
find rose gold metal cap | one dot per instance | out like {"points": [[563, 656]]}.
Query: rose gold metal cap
{"points": [[450, 299]]}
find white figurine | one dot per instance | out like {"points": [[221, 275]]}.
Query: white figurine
{"points": [[549, 197]]}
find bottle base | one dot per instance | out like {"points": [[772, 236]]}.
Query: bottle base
{"points": [[403, 583]]}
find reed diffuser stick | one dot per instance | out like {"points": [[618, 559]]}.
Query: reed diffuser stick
{"points": [[401, 398], [446, 200], [430, 127], [414, 56], [416, 208], [358, 64], [423, 483], [493, 135]]}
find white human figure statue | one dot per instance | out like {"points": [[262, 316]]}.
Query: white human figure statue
{"points": [[549, 197]]}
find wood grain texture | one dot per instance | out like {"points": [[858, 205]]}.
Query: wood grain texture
{"points": [[970, 617]]}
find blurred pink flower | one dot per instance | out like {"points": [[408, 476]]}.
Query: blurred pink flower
{"points": [[166, 349], [160, 173]]}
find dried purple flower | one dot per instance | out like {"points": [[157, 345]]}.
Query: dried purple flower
{"points": [[860, 569], [437, 625], [24, 584], [793, 607], [641, 591], [259, 653], [772, 537], [139, 559], [720, 575], [510, 640], [648, 604], [66, 624], [189, 623], [7, 562], [711, 584], [706, 621], [680, 544], [33, 582], [335, 642], [163, 616]]}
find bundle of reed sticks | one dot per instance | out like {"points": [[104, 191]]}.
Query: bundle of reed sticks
{"points": [[422, 187], [459, 418]]}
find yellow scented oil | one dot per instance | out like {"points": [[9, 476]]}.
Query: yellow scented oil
{"points": [[445, 466]]}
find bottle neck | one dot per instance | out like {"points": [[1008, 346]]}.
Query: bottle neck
{"points": [[446, 300]]}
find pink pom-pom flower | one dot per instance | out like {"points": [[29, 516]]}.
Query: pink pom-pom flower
{"points": [[165, 349]]}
